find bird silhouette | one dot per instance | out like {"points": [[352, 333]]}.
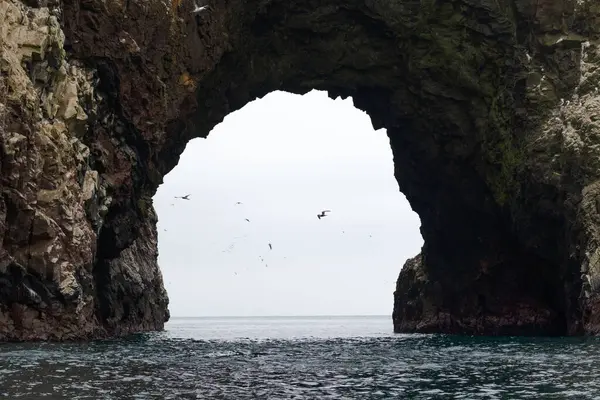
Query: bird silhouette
{"points": [[323, 214], [186, 197], [239, 202], [270, 246], [247, 220]]}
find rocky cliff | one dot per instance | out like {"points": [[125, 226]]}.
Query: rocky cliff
{"points": [[491, 106]]}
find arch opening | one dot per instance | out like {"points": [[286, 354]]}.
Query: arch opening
{"points": [[261, 177]]}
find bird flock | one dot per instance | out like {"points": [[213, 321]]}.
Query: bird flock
{"points": [[229, 248]]}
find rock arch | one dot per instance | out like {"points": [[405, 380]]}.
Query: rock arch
{"points": [[491, 108]]}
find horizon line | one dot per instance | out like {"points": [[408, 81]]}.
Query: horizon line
{"points": [[281, 316]]}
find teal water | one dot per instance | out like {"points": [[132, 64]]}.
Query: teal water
{"points": [[301, 358]]}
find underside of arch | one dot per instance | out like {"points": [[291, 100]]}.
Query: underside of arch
{"points": [[491, 108]]}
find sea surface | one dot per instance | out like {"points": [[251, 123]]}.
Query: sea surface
{"points": [[301, 358]]}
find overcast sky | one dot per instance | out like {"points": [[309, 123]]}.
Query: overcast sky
{"points": [[286, 158]]}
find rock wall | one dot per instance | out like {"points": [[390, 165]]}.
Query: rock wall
{"points": [[491, 108], [53, 282], [542, 281]]}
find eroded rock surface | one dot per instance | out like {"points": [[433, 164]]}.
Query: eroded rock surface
{"points": [[54, 199], [492, 109]]}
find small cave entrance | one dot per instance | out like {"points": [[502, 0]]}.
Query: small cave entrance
{"points": [[261, 177]]}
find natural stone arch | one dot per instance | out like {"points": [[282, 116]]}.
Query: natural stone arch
{"points": [[490, 107]]}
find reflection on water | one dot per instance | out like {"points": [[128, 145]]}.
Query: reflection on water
{"points": [[370, 364]]}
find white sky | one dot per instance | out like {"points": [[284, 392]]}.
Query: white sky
{"points": [[286, 158]]}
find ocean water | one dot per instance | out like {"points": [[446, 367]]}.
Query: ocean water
{"points": [[301, 358]]}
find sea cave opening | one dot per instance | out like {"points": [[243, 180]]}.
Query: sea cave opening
{"points": [[248, 242]]}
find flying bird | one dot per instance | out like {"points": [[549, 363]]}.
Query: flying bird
{"points": [[323, 214], [186, 197], [199, 8], [247, 220], [270, 247], [239, 202]]}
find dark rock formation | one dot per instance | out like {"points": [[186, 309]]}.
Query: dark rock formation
{"points": [[491, 106]]}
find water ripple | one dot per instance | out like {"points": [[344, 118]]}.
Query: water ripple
{"points": [[423, 367]]}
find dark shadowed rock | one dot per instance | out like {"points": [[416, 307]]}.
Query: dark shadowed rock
{"points": [[492, 110]]}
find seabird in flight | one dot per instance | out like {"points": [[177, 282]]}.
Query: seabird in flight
{"points": [[270, 247], [247, 219], [199, 8], [186, 197], [323, 214]]}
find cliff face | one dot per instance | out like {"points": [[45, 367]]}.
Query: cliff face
{"points": [[492, 109]]}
